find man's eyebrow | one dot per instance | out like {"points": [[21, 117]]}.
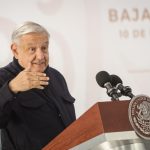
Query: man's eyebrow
{"points": [[47, 42]]}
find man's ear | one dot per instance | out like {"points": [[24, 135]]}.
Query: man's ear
{"points": [[14, 50]]}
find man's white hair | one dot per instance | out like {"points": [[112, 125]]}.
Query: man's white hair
{"points": [[28, 27]]}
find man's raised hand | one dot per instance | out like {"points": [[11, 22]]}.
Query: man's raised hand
{"points": [[27, 80]]}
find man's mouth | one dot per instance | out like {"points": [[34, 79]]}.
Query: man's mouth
{"points": [[40, 63]]}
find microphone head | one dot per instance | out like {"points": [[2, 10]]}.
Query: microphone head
{"points": [[102, 77], [115, 80]]}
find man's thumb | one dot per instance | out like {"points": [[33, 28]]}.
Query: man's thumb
{"points": [[28, 67]]}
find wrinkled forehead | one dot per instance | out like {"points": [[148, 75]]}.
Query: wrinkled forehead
{"points": [[34, 39], [34, 43]]}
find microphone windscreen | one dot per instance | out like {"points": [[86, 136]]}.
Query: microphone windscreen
{"points": [[115, 80], [102, 77]]}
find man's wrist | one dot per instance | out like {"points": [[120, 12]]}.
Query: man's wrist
{"points": [[12, 87]]}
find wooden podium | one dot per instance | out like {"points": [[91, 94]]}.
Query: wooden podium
{"points": [[104, 126]]}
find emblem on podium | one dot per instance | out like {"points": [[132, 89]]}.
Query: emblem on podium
{"points": [[139, 115]]}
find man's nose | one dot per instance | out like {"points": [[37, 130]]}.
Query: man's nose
{"points": [[39, 54]]}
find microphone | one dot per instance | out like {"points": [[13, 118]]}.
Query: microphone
{"points": [[117, 82], [104, 80]]}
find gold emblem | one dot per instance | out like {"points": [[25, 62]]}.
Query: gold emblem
{"points": [[139, 115]]}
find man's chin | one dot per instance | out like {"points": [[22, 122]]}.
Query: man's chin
{"points": [[38, 69]]}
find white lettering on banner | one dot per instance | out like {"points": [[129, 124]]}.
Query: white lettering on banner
{"points": [[134, 14]]}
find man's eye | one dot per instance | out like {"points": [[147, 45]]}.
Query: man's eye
{"points": [[32, 49], [44, 48]]}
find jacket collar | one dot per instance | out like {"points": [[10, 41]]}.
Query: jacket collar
{"points": [[16, 65]]}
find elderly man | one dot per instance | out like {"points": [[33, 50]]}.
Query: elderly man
{"points": [[35, 104]]}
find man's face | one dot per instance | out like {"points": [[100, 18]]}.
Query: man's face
{"points": [[32, 47]]}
